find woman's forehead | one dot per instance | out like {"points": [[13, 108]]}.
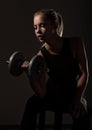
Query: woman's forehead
{"points": [[41, 18], [40, 15]]}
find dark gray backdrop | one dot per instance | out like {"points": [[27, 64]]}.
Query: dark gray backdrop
{"points": [[17, 34]]}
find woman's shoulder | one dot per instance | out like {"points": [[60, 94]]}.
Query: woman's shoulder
{"points": [[73, 41], [75, 44]]}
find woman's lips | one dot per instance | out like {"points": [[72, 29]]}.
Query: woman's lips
{"points": [[40, 37]]}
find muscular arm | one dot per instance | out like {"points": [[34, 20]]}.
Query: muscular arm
{"points": [[39, 85], [83, 65], [78, 49]]}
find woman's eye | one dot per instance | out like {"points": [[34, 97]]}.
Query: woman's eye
{"points": [[39, 26], [42, 25]]}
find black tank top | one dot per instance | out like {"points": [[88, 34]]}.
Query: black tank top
{"points": [[63, 69]]}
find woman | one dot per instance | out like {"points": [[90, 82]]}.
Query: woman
{"points": [[62, 87]]}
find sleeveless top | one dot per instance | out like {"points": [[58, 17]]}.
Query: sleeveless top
{"points": [[63, 71]]}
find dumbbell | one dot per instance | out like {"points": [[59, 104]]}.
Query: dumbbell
{"points": [[35, 70], [36, 66], [14, 63]]}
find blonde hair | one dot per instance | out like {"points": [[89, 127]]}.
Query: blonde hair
{"points": [[54, 17], [60, 26]]}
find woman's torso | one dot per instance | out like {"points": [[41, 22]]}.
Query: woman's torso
{"points": [[63, 71]]}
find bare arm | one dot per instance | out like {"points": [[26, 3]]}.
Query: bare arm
{"points": [[83, 65], [79, 52], [39, 86]]}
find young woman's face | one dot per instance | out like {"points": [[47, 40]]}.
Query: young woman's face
{"points": [[43, 28]]}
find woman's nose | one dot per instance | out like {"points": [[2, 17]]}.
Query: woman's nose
{"points": [[38, 29]]}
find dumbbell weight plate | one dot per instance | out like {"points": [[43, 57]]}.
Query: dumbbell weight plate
{"points": [[36, 67], [15, 62]]}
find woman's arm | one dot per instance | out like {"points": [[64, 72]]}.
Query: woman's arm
{"points": [[39, 85], [78, 48], [83, 65]]}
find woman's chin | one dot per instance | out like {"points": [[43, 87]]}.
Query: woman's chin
{"points": [[41, 40]]}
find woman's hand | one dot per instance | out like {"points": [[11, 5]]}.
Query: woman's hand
{"points": [[77, 107], [25, 64]]}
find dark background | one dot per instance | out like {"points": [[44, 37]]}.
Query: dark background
{"points": [[17, 35]]}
